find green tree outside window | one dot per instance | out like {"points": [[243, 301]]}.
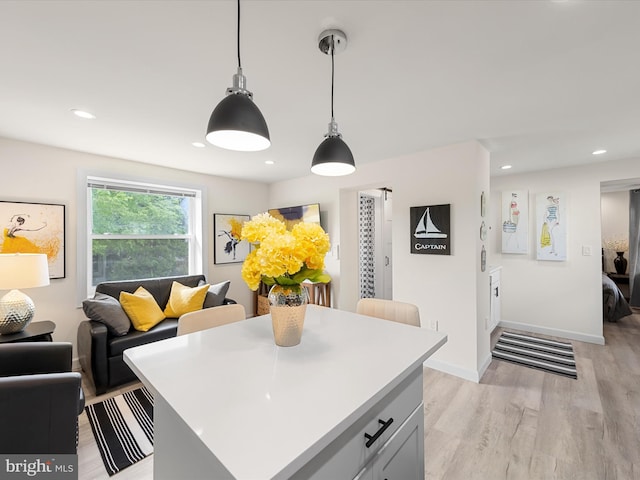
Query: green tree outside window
{"points": [[138, 235]]}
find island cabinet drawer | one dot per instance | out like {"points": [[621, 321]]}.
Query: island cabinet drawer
{"points": [[402, 456], [350, 452]]}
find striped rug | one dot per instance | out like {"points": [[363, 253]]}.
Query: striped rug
{"points": [[123, 428], [534, 352]]}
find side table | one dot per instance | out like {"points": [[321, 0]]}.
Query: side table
{"points": [[319, 293], [34, 332], [622, 281]]}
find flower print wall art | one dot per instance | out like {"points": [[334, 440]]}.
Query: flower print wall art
{"points": [[34, 228], [228, 248], [551, 219], [515, 221]]}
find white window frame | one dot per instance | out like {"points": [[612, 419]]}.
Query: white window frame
{"points": [[195, 235]]}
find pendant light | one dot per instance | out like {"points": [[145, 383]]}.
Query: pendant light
{"points": [[237, 123], [333, 157]]}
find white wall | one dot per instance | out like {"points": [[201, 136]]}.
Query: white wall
{"points": [[615, 223], [448, 289], [561, 298], [37, 173], [558, 298]]}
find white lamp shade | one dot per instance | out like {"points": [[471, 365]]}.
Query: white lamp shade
{"points": [[23, 270]]}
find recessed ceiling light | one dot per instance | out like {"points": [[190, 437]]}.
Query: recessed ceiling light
{"points": [[598, 152], [505, 167], [83, 114], [198, 144], [269, 162]]}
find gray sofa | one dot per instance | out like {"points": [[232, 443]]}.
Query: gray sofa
{"points": [[102, 341]]}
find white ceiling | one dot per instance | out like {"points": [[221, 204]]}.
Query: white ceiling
{"points": [[540, 83]]}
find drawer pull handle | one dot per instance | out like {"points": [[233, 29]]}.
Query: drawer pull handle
{"points": [[372, 438]]}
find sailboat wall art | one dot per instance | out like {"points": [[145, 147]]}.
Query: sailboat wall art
{"points": [[430, 229]]}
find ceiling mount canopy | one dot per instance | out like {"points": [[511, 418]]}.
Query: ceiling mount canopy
{"points": [[333, 156], [237, 123]]}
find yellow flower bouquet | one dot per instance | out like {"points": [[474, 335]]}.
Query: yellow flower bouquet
{"points": [[283, 257]]}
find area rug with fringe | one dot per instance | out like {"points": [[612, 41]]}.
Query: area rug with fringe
{"points": [[123, 428], [548, 355]]}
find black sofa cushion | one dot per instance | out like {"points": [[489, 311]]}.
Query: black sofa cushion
{"points": [[165, 329]]}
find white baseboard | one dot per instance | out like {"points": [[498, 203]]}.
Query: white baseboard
{"points": [[451, 369], [484, 366], [554, 332], [75, 365]]}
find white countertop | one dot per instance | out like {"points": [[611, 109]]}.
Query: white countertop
{"points": [[264, 410]]}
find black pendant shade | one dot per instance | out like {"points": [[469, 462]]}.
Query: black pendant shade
{"points": [[237, 124], [333, 158]]}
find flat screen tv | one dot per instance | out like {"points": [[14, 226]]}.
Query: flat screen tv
{"points": [[302, 213]]}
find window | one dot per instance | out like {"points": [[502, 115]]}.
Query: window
{"points": [[138, 230]]}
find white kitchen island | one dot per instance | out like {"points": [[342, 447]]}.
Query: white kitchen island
{"points": [[230, 404]]}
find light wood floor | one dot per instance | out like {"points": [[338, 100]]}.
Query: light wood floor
{"points": [[521, 423], [518, 423]]}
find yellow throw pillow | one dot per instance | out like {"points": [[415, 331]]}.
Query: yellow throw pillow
{"points": [[185, 299], [142, 309]]}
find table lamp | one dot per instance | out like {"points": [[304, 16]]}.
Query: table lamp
{"points": [[20, 270]]}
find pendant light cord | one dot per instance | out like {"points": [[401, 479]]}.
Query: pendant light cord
{"points": [[332, 74], [239, 63]]}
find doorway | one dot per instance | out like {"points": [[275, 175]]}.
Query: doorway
{"points": [[374, 243], [619, 238]]}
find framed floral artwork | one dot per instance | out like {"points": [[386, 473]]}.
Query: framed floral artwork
{"points": [[35, 228], [228, 248]]}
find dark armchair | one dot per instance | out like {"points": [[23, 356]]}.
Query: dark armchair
{"points": [[40, 399]]}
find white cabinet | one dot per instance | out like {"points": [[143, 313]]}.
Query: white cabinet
{"points": [[388, 441], [496, 292], [402, 456], [365, 474]]}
